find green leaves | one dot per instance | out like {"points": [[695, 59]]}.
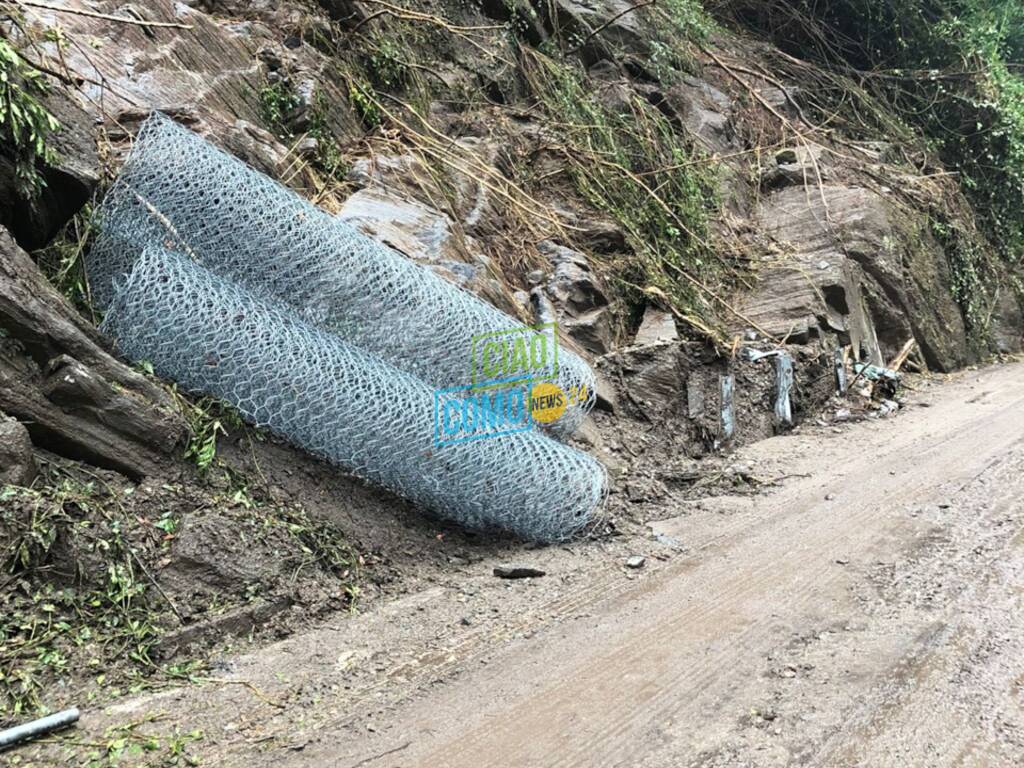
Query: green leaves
{"points": [[25, 124], [628, 161]]}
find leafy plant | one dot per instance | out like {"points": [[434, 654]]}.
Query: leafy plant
{"points": [[360, 95], [633, 165], [208, 418], [110, 608], [208, 424], [279, 100], [24, 122], [63, 263], [129, 744]]}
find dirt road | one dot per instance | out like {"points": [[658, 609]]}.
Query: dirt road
{"points": [[867, 611]]}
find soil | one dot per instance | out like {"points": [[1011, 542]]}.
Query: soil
{"points": [[856, 602]]}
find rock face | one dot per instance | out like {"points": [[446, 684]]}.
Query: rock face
{"points": [[656, 327], [422, 233], [795, 166], [703, 111], [848, 267], [212, 76], [650, 377], [583, 17], [579, 304], [56, 377], [468, 204], [212, 67], [68, 183], [1008, 320], [886, 282], [17, 465]]}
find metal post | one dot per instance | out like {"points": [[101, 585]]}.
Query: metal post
{"points": [[36, 728], [726, 385], [783, 386], [840, 369]]}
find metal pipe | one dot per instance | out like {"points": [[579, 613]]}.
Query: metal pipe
{"points": [[37, 728]]}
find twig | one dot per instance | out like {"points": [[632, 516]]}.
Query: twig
{"points": [[246, 684], [371, 758], [408, 15], [106, 16], [156, 585], [785, 92], [178, 239], [411, 15], [66, 79], [78, 78]]}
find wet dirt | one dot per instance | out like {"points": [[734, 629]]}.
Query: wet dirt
{"points": [[857, 602]]}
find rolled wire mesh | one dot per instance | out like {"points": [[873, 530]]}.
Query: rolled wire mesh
{"points": [[175, 188], [342, 403]]}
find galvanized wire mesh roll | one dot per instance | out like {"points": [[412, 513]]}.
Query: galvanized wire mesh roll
{"points": [[342, 403], [177, 189]]}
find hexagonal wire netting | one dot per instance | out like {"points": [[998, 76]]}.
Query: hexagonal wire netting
{"points": [[343, 403], [290, 326], [177, 189]]}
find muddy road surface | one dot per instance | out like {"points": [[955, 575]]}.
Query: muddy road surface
{"points": [[866, 611], [869, 613]]}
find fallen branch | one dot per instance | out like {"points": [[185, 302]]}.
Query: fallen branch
{"points": [[371, 758], [904, 353]]}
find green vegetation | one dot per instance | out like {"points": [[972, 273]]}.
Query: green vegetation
{"points": [[25, 124], [280, 103], [80, 577], [631, 163], [949, 69], [133, 744], [365, 104], [63, 263], [687, 19], [208, 418], [104, 610]]}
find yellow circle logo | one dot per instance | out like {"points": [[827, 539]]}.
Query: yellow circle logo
{"points": [[547, 402]]}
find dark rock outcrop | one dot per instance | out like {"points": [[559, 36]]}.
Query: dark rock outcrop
{"points": [[580, 305], [856, 269], [74, 397], [68, 183]]}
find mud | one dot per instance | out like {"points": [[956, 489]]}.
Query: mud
{"points": [[855, 603]]}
